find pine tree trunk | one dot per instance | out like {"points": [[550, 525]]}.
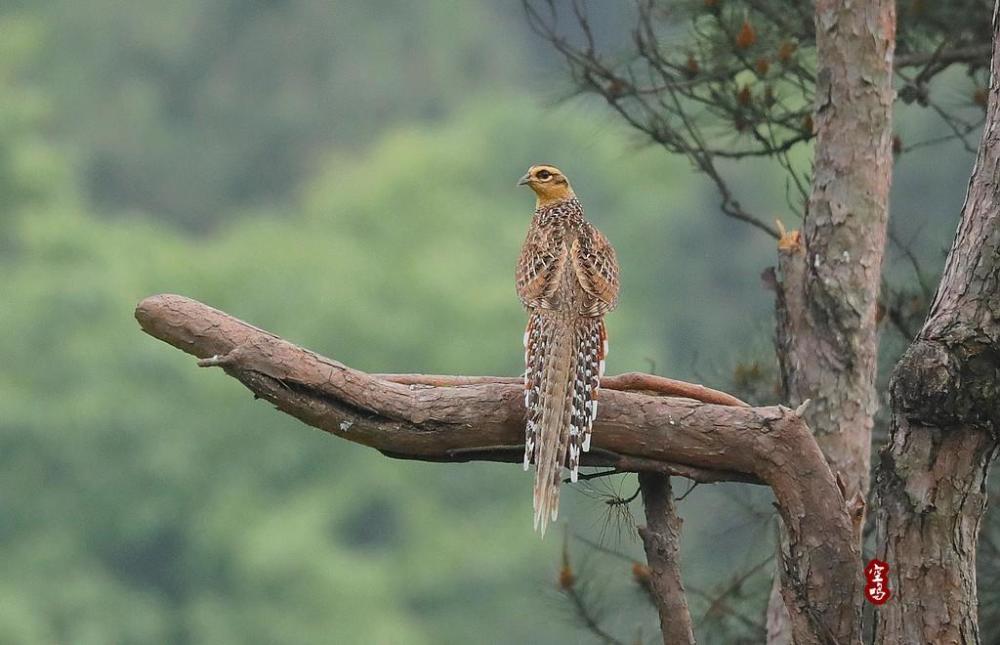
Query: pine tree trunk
{"points": [[946, 415], [829, 279]]}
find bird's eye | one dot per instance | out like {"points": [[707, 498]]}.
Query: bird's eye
{"points": [[543, 174]]}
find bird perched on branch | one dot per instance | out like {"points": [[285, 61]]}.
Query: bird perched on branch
{"points": [[567, 278]]}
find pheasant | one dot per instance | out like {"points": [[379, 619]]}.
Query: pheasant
{"points": [[567, 278]]}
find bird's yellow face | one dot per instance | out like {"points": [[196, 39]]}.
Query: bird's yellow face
{"points": [[548, 182]]}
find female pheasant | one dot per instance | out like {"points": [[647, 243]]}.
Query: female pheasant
{"points": [[567, 278]]}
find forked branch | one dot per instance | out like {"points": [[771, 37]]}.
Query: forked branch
{"points": [[483, 419]]}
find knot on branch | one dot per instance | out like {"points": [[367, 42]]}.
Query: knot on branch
{"points": [[948, 385], [925, 384]]}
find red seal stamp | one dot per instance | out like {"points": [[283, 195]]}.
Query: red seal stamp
{"points": [[877, 585]]}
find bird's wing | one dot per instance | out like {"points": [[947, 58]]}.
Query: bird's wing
{"points": [[542, 258], [597, 270]]}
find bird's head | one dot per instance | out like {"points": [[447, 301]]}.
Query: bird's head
{"points": [[548, 182]]}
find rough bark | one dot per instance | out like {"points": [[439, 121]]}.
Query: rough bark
{"points": [[485, 420], [946, 409], [828, 278], [661, 538], [631, 381]]}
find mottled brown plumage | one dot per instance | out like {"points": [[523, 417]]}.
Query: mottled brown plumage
{"points": [[567, 278]]}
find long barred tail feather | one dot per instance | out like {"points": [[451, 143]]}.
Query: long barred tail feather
{"points": [[551, 364], [591, 350], [564, 361], [534, 366]]}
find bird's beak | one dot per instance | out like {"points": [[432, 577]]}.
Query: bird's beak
{"points": [[524, 181]]}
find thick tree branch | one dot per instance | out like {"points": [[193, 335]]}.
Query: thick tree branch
{"points": [[486, 421], [479, 419], [631, 381]]}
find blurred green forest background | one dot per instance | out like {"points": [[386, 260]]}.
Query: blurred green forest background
{"points": [[340, 173]]}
